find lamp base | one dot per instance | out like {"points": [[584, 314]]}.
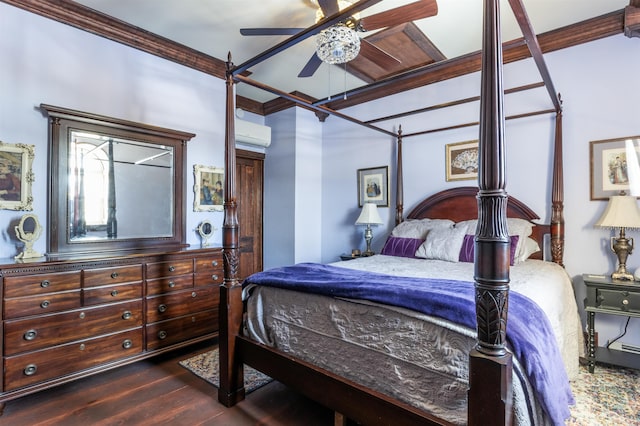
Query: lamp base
{"points": [[622, 276]]}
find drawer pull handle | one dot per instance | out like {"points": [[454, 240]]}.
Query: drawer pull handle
{"points": [[114, 275], [82, 346], [162, 334], [126, 315], [172, 268], [45, 304], [82, 315], [162, 308], [30, 370], [194, 294], [114, 293], [214, 263], [30, 335], [214, 277], [127, 344], [45, 283], [172, 284], [625, 302]]}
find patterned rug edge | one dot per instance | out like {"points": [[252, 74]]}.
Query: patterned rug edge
{"points": [[205, 366]]}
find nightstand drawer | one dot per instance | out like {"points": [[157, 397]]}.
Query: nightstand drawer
{"points": [[619, 300]]}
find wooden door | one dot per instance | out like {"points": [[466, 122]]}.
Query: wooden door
{"points": [[249, 184]]}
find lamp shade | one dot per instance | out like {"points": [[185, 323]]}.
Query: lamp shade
{"points": [[621, 212], [369, 215]]}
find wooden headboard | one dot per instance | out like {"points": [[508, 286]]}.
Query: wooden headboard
{"points": [[460, 204]]}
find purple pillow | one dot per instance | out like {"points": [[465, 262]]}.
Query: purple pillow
{"points": [[468, 249], [401, 247]]}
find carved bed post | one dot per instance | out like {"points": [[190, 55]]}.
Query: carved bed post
{"points": [[399, 182], [230, 313], [557, 197], [490, 364]]}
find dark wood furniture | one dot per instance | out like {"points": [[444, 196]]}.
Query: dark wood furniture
{"points": [[490, 365], [66, 319], [605, 296]]}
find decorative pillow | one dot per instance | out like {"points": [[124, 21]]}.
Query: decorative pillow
{"points": [[401, 247], [516, 226], [418, 228], [442, 244], [467, 251]]}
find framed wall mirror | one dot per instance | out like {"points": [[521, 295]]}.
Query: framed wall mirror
{"points": [[114, 184]]}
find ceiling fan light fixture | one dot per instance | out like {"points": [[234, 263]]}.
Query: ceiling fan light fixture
{"points": [[337, 44]]}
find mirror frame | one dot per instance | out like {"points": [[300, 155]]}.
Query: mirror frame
{"points": [[61, 121]]}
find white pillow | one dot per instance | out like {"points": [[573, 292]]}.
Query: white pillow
{"points": [[418, 228], [442, 244], [515, 226], [529, 247]]}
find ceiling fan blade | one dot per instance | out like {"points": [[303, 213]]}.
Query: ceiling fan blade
{"points": [[329, 7], [269, 31], [377, 55], [407, 13], [311, 67]]}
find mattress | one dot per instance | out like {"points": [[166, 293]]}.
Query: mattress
{"points": [[416, 358]]}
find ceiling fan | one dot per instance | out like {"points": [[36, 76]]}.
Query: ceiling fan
{"points": [[388, 18]]}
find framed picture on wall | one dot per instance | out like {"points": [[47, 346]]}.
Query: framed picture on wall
{"points": [[208, 189], [373, 186], [16, 176], [462, 160], [615, 167]]}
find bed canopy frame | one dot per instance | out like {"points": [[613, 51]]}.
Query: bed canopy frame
{"points": [[490, 363]]}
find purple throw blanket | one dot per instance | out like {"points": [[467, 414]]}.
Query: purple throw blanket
{"points": [[529, 333]]}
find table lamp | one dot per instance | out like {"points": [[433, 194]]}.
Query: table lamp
{"points": [[369, 216], [621, 212]]}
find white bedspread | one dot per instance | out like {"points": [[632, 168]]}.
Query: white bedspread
{"points": [[416, 358]]}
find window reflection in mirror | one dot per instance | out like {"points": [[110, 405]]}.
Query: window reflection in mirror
{"points": [[104, 207]]}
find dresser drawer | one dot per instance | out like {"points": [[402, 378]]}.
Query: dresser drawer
{"points": [[169, 284], [181, 303], [203, 280], [31, 285], [176, 330], [619, 300], [209, 265], [33, 367], [111, 293], [38, 333], [41, 304], [170, 269], [112, 275]]}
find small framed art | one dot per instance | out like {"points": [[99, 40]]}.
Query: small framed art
{"points": [[16, 176], [208, 189], [462, 160], [615, 167], [373, 186]]}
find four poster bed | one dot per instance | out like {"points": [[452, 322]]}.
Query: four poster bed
{"points": [[440, 344]]}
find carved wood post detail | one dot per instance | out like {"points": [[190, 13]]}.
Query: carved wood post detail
{"points": [[557, 197], [231, 388], [399, 182], [490, 364]]}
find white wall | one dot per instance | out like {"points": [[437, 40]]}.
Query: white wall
{"points": [[48, 62], [599, 103]]}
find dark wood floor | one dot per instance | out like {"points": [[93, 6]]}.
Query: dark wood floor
{"points": [[159, 392]]}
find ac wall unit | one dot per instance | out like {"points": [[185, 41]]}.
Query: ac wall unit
{"points": [[252, 134]]}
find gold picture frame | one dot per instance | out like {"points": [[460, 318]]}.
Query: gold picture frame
{"points": [[16, 176], [461, 160], [373, 186], [208, 189], [614, 167]]}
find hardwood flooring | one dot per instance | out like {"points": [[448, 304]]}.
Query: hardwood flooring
{"points": [[159, 392]]}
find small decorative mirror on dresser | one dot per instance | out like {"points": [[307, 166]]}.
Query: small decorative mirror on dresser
{"points": [[114, 184]]}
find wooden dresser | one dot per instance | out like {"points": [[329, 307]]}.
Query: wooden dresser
{"points": [[66, 319]]}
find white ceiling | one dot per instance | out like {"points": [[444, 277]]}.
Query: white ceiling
{"points": [[212, 27]]}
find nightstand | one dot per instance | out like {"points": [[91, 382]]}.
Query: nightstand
{"points": [[606, 296]]}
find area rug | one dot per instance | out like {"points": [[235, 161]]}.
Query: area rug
{"points": [[205, 366], [608, 397]]}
